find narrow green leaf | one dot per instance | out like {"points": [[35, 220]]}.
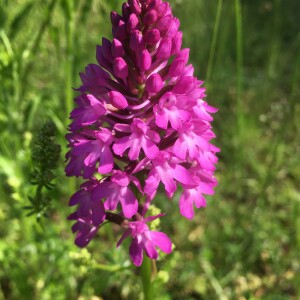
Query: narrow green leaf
{"points": [[27, 207], [30, 214], [32, 109], [7, 43], [20, 19], [85, 11], [3, 16]]}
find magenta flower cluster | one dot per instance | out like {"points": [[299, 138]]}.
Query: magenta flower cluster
{"points": [[140, 121]]}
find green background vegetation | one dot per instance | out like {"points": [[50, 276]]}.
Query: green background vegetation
{"points": [[246, 243]]}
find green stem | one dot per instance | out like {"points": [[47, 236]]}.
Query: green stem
{"points": [[214, 41], [146, 278]]}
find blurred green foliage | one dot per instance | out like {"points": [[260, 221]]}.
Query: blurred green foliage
{"points": [[246, 243]]}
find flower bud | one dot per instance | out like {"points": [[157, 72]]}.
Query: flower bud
{"points": [[150, 17], [94, 76], [184, 54], [184, 85], [145, 2], [164, 23], [115, 18], [134, 6], [176, 43], [154, 4], [144, 60], [117, 100], [163, 9], [119, 32], [120, 67], [106, 48], [179, 63], [136, 40], [133, 23], [117, 48], [164, 49], [152, 36], [126, 11], [173, 28], [154, 83], [102, 61]]}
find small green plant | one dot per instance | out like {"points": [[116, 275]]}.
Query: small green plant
{"points": [[45, 157]]}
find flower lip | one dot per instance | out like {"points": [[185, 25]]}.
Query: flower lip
{"points": [[139, 126], [120, 178], [137, 227]]}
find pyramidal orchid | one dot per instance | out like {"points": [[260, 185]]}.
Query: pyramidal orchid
{"points": [[141, 120]]}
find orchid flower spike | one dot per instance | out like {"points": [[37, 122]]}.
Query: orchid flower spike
{"points": [[140, 121]]}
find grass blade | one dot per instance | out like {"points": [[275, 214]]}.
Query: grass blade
{"points": [[214, 41], [20, 19], [239, 70]]}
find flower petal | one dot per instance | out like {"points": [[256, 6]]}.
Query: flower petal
{"points": [[136, 252], [150, 250], [129, 202], [106, 161], [161, 240]]}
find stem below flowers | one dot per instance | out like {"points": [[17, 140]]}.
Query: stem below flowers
{"points": [[146, 278]]}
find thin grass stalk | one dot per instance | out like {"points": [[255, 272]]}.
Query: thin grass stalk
{"points": [[275, 42], [294, 100], [34, 47], [214, 41], [214, 282], [13, 93], [239, 70], [69, 11], [70, 26], [296, 75], [14, 124]]}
